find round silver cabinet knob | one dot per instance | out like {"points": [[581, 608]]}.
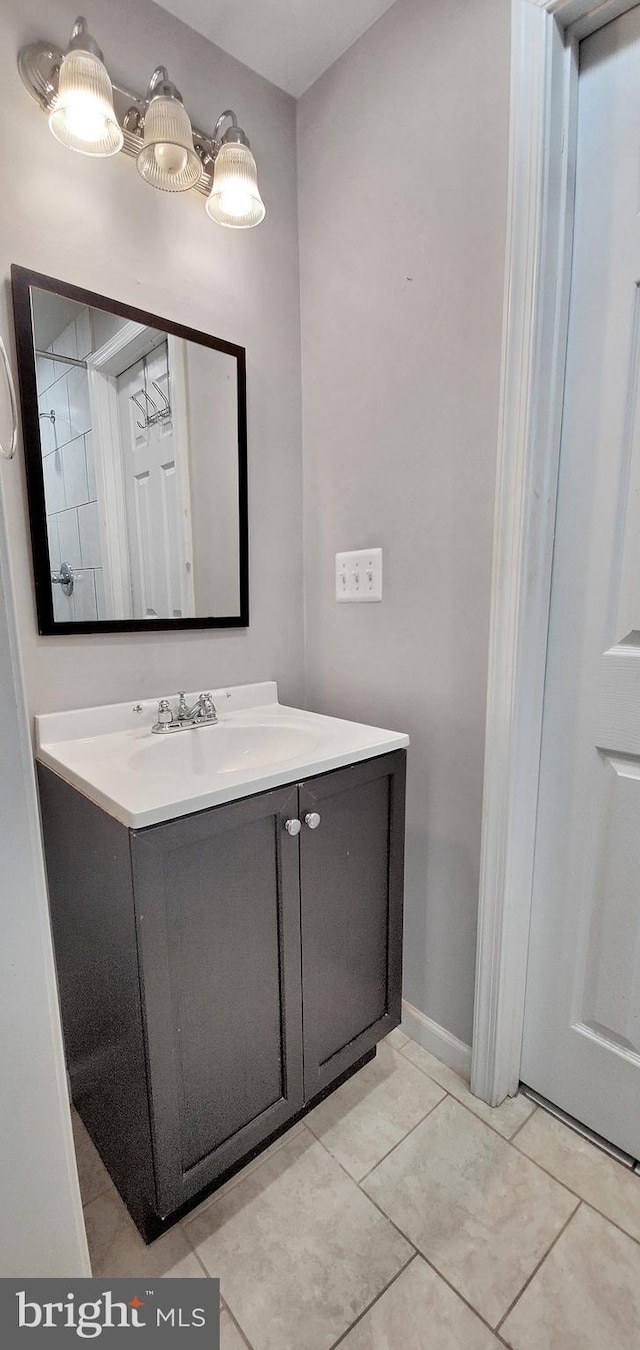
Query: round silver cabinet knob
{"points": [[312, 819], [292, 826]]}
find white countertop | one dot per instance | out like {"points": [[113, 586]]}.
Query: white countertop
{"points": [[110, 754]]}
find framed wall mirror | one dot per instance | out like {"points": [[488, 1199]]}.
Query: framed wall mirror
{"points": [[136, 456]]}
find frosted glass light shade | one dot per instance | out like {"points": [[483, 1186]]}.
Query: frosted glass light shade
{"points": [[82, 117], [167, 159], [235, 197]]}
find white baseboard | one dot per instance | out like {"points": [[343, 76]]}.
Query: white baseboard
{"points": [[436, 1039]]}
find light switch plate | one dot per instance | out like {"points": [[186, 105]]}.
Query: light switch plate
{"points": [[359, 576]]}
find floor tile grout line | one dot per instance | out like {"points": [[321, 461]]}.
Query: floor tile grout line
{"points": [[373, 1302], [463, 1298], [507, 1138], [501, 1340], [523, 1154], [418, 1252], [405, 1136], [582, 1198], [524, 1122], [201, 1263], [504, 1137], [225, 1306], [430, 1263], [359, 1180], [412, 1257], [368, 1197], [238, 1327], [400, 1141], [540, 1263], [414, 1250], [454, 1290], [607, 1219]]}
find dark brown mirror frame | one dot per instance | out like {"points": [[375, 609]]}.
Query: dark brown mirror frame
{"points": [[23, 280]]}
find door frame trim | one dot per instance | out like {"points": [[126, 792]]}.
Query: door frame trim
{"points": [[542, 137]]}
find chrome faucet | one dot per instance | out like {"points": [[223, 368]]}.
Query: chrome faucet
{"points": [[202, 714]]}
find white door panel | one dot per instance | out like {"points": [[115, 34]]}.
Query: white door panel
{"points": [[581, 1043], [152, 488]]}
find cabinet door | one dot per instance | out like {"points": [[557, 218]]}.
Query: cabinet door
{"points": [[351, 875], [217, 907]]}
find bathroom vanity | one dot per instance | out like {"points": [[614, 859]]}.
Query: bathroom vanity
{"points": [[227, 917]]}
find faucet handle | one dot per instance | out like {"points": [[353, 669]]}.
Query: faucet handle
{"points": [[207, 708], [165, 714]]}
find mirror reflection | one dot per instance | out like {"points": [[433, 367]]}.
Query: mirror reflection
{"points": [[139, 443]]}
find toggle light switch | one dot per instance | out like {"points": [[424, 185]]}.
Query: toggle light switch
{"points": [[359, 576]]}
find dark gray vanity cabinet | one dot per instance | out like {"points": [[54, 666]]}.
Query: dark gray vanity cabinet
{"points": [[218, 919], [218, 973], [351, 880]]}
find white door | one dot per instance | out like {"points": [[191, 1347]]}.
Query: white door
{"points": [[582, 1020], [151, 482]]}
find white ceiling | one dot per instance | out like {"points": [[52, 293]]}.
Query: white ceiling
{"points": [[290, 42]]}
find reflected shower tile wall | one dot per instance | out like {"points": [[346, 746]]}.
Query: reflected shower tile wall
{"points": [[89, 535], [53, 483], [69, 472], [56, 399], [47, 439], [84, 595], [54, 542], [46, 373], [74, 469], [101, 599], [79, 410], [69, 538], [63, 606], [91, 468]]}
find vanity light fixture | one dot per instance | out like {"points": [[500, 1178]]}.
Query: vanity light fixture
{"points": [[83, 117], [89, 113], [235, 198], [167, 159]]}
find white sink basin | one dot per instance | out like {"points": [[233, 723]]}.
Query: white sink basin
{"points": [[223, 748], [111, 755]]}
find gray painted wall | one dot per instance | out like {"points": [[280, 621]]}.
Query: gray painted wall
{"points": [[98, 225], [402, 165]]}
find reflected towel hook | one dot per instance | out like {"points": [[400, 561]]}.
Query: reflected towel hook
{"points": [[157, 414], [13, 441], [135, 398], [154, 406], [166, 411]]}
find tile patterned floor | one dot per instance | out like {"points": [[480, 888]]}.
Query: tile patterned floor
{"points": [[404, 1214]]}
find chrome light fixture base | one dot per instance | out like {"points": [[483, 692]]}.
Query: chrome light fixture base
{"points": [[39, 69]]}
